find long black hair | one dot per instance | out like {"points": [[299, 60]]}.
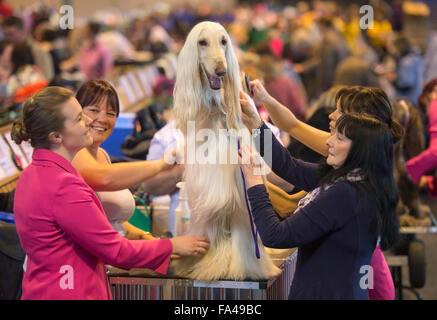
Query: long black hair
{"points": [[372, 152]]}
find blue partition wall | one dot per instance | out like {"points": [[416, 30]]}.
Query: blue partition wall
{"points": [[123, 128]]}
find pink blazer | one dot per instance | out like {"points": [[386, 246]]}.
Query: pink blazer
{"points": [[67, 237]]}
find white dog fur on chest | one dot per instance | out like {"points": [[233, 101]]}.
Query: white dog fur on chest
{"points": [[207, 92]]}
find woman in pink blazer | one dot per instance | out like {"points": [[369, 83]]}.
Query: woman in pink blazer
{"points": [[60, 221]]}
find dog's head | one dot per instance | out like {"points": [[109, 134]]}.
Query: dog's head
{"points": [[207, 74], [212, 44]]}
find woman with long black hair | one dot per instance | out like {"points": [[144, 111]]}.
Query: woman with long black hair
{"points": [[354, 99], [349, 208]]}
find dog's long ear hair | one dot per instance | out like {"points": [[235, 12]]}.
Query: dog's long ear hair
{"points": [[189, 94], [232, 88]]}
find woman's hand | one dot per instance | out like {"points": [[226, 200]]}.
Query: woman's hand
{"points": [[168, 161], [260, 94], [252, 165], [250, 115], [189, 245]]}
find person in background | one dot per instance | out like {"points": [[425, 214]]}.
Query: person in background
{"points": [[318, 117], [14, 31], [48, 37], [6, 48], [356, 71], [327, 55], [281, 87], [25, 78], [121, 47], [409, 73], [100, 104], [430, 58], [11, 252], [60, 221], [410, 210], [5, 67], [381, 32], [94, 58]]}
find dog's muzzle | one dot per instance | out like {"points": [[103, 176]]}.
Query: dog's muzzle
{"points": [[215, 81]]}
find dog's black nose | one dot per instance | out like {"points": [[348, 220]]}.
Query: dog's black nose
{"points": [[220, 72]]}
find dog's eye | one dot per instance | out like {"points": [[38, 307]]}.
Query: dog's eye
{"points": [[224, 42], [203, 43]]}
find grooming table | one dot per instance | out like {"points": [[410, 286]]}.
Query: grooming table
{"points": [[144, 284]]}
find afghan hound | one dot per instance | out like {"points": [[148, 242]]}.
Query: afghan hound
{"points": [[207, 94]]}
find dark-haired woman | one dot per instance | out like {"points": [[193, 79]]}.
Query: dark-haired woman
{"points": [[99, 101], [60, 221], [356, 99], [351, 201]]}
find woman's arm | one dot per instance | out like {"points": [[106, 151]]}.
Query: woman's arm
{"points": [[279, 182], [77, 213], [299, 173], [116, 176], [427, 160], [329, 211], [164, 182], [285, 120]]}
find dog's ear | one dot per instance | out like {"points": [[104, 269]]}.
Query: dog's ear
{"points": [[187, 90], [232, 86]]}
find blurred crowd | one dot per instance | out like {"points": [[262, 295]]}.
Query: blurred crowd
{"points": [[303, 54]]}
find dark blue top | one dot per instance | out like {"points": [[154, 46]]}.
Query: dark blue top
{"points": [[334, 233]]}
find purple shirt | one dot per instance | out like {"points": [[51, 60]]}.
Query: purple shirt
{"points": [[67, 237], [95, 60], [427, 160]]}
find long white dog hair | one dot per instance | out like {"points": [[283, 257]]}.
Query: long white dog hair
{"points": [[207, 92]]}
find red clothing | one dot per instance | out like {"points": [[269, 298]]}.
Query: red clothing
{"points": [[67, 237], [5, 10], [286, 92]]}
